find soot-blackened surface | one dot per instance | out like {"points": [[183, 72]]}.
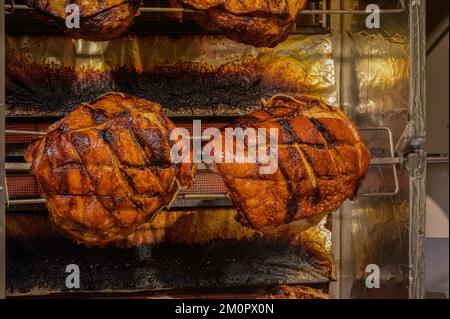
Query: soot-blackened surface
{"points": [[37, 258], [44, 89]]}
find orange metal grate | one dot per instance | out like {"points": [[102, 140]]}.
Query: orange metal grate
{"points": [[24, 126], [24, 185]]}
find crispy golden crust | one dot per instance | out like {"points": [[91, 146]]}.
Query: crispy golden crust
{"points": [[99, 20], [106, 168], [296, 292], [321, 162], [259, 23]]}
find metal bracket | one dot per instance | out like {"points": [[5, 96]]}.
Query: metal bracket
{"points": [[394, 160], [9, 8]]}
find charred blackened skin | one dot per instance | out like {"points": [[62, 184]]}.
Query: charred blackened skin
{"points": [[107, 137], [154, 138], [327, 135], [292, 206], [98, 116], [129, 180], [289, 135], [81, 142], [316, 197], [63, 180]]}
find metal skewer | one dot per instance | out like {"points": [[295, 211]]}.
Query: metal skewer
{"points": [[393, 161], [41, 201], [10, 8], [14, 132]]}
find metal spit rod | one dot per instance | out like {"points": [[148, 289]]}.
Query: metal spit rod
{"points": [[374, 161], [41, 201], [24, 167], [10, 8], [14, 132]]}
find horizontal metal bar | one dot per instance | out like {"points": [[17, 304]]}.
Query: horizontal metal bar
{"points": [[15, 132], [40, 201], [11, 8], [394, 161], [16, 167], [192, 137], [34, 201], [9, 167], [203, 196], [42, 133], [355, 12], [386, 161], [165, 10], [444, 159], [222, 196], [20, 167]]}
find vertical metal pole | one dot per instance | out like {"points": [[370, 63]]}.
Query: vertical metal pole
{"points": [[2, 150], [417, 162], [417, 166]]}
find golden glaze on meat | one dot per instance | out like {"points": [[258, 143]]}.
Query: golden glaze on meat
{"points": [[322, 160], [100, 20], [260, 23], [106, 168]]}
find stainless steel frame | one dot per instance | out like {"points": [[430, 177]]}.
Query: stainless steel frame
{"points": [[378, 230], [2, 151], [418, 163]]}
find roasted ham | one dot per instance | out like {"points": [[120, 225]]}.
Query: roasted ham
{"points": [[106, 168], [321, 162], [99, 20], [255, 22]]}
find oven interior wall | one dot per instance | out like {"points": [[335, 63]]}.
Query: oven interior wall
{"points": [[380, 76]]}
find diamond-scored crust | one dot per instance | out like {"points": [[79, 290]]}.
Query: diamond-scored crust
{"points": [[260, 23], [106, 168], [322, 160], [275, 7]]}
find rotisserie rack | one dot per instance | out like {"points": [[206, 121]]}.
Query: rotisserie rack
{"points": [[197, 247]]}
